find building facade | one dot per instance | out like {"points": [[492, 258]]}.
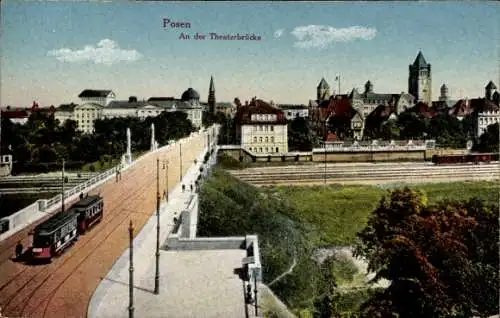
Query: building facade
{"points": [[85, 115], [261, 128], [420, 80]]}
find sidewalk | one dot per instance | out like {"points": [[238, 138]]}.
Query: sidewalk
{"points": [[197, 283]]}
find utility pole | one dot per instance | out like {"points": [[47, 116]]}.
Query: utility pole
{"points": [[131, 271], [157, 274], [62, 194]]}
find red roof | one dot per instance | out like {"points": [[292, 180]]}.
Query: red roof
{"points": [[424, 110], [466, 107], [14, 113], [257, 106]]}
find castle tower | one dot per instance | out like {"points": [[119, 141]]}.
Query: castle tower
{"points": [[420, 80], [323, 90], [444, 93], [489, 90], [368, 87], [211, 96]]}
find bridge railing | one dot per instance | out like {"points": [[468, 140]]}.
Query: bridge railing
{"points": [[42, 207]]}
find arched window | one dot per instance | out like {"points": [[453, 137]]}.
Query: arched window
{"points": [[267, 140], [254, 139], [272, 139], [260, 139]]}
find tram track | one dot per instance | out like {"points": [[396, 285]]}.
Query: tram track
{"points": [[49, 292], [95, 231]]}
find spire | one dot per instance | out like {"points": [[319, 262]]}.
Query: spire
{"points": [[212, 86], [491, 85], [323, 83], [420, 60]]}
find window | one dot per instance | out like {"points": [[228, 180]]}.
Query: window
{"points": [[266, 128], [277, 149], [272, 139], [254, 139], [260, 139], [260, 149], [267, 149], [260, 128], [272, 128], [267, 140]]}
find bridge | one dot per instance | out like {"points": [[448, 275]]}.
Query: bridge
{"points": [[65, 287]]}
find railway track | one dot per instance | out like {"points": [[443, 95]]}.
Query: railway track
{"points": [[64, 287], [365, 174]]}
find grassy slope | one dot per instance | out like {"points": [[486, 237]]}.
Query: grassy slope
{"points": [[339, 212]]}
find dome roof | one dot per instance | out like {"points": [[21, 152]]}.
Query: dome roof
{"points": [[190, 94]]}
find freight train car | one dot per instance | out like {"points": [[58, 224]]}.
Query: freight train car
{"points": [[469, 158], [52, 236]]}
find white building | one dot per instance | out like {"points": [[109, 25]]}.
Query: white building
{"points": [[64, 112], [189, 103], [85, 115], [101, 97], [293, 111], [261, 128], [484, 119]]}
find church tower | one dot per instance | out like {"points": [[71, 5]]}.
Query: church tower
{"points": [[211, 96], [323, 90], [420, 81], [444, 93], [489, 90]]}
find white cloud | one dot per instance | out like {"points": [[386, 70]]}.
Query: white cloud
{"points": [[319, 36], [278, 33], [106, 52]]}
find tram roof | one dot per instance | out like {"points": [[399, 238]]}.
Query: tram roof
{"points": [[87, 201], [55, 222]]}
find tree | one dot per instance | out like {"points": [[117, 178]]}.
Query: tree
{"points": [[488, 141], [442, 260], [411, 126], [300, 135], [448, 131]]}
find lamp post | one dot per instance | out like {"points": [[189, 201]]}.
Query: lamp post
{"points": [[255, 292], [165, 166], [157, 274], [180, 155], [324, 175], [131, 271], [62, 194]]}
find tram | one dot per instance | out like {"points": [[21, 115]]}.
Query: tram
{"points": [[51, 237], [90, 211]]}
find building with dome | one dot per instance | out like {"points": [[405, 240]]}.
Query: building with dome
{"points": [[90, 110]]}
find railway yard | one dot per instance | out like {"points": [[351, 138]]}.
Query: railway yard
{"points": [[64, 287], [366, 173]]}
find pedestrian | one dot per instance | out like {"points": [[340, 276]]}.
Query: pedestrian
{"points": [[183, 187], [191, 187], [81, 195], [19, 250]]}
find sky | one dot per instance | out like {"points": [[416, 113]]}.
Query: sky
{"points": [[51, 51]]}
